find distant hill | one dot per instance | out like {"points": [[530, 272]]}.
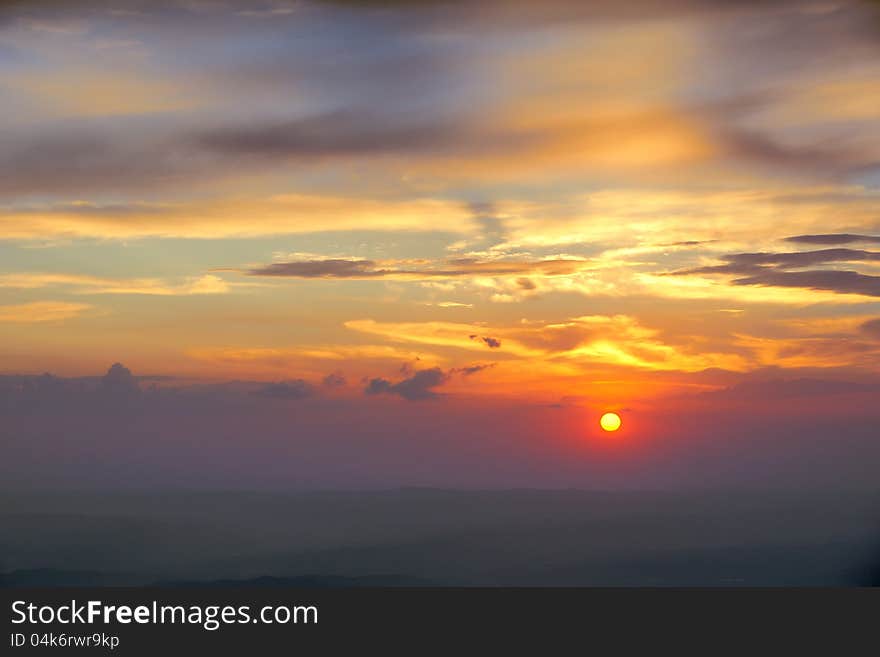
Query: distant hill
{"points": [[309, 582], [434, 537], [51, 577]]}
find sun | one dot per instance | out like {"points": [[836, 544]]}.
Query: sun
{"points": [[610, 422]]}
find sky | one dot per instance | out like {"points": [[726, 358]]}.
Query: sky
{"points": [[361, 243]]}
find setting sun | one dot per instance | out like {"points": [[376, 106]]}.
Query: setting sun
{"points": [[610, 422]]}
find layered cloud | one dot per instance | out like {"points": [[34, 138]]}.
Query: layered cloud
{"points": [[786, 269], [517, 183], [296, 389], [41, 311], [872, 328], [417, 270], [84, 284], [420, 385], [756, 431], [421, 99], [833, 238], [364, 359], [229, 218], [609, 340]]}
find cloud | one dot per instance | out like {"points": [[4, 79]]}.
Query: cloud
{"points": [[59, 162], [85, 284], [103, 93], [842, 282], [612, 340], [160, 439], [492, 343], [340, 133], [410, 103], [773, 270], [687, 243], [812, 352], [871, 328], [471, 369], [226, 217], [418, 13], [491, 229], [417, 387], [448, 304], [416, 270], [313, 360], [295, 389], [780, 389], [41, 311], [377, 386], [119, 381], [334, 380], [328, 268], [764, 149], [744, 263], [833, 238]]}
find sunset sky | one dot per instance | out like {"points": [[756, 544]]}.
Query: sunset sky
{"points": [[452, 214]]}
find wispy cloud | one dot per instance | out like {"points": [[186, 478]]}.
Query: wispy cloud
{"points": [[775, 270], [420, 385], [41, 311], [416, 270], [84, 284], [833, 238], [617, 340]]}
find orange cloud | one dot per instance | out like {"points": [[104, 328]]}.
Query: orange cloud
{"points": [[231, 217], [84, 284], [41, 311], [611, 340]]}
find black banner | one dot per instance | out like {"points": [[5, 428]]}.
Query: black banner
{"points": [[218, 620]]}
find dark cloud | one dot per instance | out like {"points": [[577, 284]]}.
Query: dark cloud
{"points": [[119, 381], [417, 387], [458, 267], [688, 243], [471, 369], [329, 268], [492, 343], [525, 283], [377, 386], [805, 258], [99, 394], [420, 385], [833, 238], [295, 389], [747, 263], [773, 269], [91, 209], [844, 282], [789, 389], [335, 133], [378, 82], [370, 84], [412, 13], [78, 156], [727, 117], [36, 391], [834, 160], [160, 439], [871, 328], [334, 380], [492, 230]]}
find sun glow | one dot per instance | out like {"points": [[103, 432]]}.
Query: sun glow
{"points": [[610, 422]]}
